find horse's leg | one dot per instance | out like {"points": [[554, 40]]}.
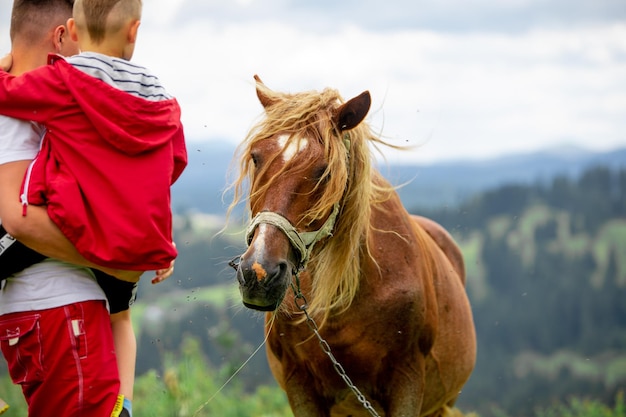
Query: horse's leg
{"points": [[303, 400], [405, 390], [296, 384]]}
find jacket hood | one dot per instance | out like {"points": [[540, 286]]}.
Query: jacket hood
{"points": [[129, 123]]}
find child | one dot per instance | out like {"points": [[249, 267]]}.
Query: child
{"points": [[114, 141], [110, 124]]}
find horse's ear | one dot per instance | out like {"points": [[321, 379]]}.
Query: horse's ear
{"points": [[351, 113], [261, 93]]}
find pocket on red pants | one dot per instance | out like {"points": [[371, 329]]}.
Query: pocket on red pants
{"points": [[20, 340]]}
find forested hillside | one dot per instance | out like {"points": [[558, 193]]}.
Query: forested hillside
{"points": [[546, 276], [547, 279]]}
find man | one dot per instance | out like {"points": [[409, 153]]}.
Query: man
{"points": [[36, 230], [54, 324]]}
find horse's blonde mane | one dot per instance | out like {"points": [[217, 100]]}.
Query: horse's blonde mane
{"points": [[349, 179]]}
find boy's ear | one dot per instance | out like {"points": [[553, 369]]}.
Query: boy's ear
{"points": [[132, 32], [71, 27]]}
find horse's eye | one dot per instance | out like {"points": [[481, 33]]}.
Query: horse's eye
{"points": [[255, 159], [320, 174]]}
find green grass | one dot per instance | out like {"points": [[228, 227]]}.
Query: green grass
{"points": [[577, 407], [12, 395], [188, 386]]}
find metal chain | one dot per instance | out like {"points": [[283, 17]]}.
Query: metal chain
{"points": [[298, 296], [326, 348]]}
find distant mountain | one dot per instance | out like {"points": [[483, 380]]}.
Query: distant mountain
{"points": [[201, 186], [450, 183]]}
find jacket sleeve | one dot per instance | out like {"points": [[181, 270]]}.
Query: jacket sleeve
{"points": [[180, 154], [34, 95], [179, 147]]}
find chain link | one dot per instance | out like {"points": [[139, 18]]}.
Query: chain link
{"points": [[326, 348]]}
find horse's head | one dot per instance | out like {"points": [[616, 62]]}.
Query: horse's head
{"points": [[297, 161]]}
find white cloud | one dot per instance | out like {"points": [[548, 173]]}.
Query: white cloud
{"points": [[161, 12], [461, 94]]}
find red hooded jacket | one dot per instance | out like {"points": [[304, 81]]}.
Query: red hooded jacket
{"points": [[106, 164]]}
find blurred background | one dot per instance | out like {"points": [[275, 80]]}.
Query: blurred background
{"points": [[516, 111]]}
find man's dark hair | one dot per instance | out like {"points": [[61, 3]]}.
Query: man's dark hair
{"points": [[32, 18]]}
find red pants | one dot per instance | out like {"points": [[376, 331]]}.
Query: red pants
{"points": [[64, 359]]}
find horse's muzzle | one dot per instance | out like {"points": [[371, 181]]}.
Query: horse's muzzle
{"points": [[263, 284]]}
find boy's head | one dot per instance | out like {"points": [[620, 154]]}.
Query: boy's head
{"points": [[106, 26], [40, 24]]}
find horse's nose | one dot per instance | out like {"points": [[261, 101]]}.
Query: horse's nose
{"points": [[261, 272]]}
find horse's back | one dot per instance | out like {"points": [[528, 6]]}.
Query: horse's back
{"points": [[446, 243]]}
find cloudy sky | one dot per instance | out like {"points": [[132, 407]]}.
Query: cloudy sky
{"points": [[460, 78]]}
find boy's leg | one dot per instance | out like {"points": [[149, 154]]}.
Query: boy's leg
{"points": [[67, 364], [126, 350], [121, 295]]}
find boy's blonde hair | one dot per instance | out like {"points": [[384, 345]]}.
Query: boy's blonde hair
{"points": [[100, 17]]}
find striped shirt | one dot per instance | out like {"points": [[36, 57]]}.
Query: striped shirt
{"points": [[121, 74]]}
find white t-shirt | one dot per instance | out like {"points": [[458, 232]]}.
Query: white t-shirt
{"points": [[50, 283]]}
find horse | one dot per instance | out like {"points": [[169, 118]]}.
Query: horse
{"points": [[377, 320]]}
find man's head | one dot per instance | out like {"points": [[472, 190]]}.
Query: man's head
{"points": [[39, 25], [106, 26]]}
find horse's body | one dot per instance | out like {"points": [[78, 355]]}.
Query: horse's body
{"points": [[405, 337]]}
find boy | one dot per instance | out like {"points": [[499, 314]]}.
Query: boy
{"points": [[114, 141]]}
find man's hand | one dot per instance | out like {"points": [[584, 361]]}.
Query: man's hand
{"points": [[6, 62]]}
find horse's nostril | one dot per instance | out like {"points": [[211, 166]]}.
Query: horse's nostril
{"points": [[278, 271], [283, 266]]}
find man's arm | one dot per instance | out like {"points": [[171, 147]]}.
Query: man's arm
{"points": [[36, 230]]}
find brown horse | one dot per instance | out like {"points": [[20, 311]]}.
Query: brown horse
{"points": [[378, 320]]}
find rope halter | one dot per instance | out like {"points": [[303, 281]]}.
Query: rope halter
{"points": [[302, 242]]}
